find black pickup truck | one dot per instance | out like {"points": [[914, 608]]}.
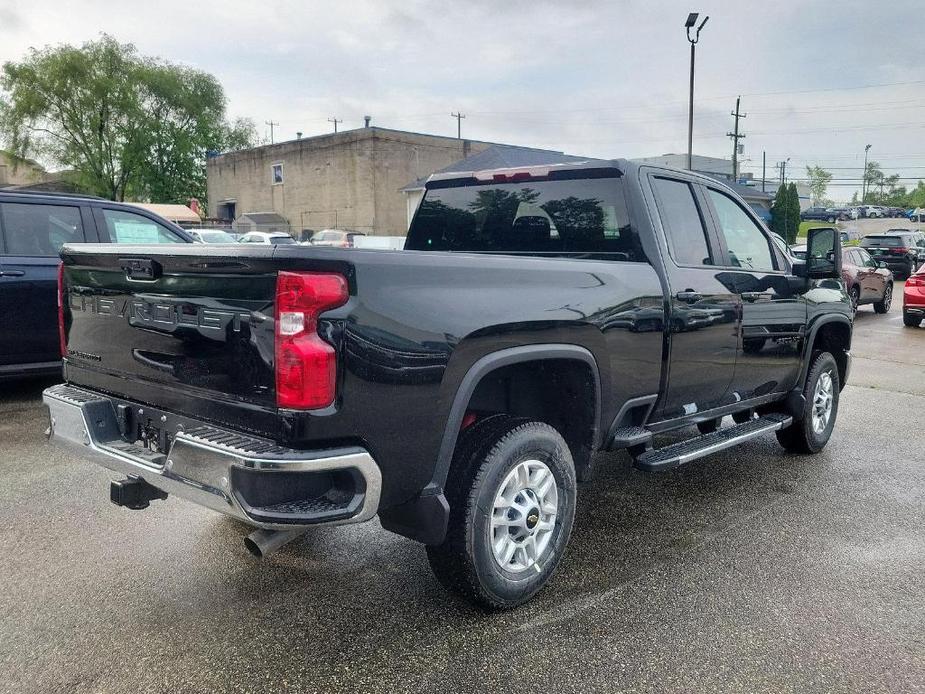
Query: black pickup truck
{"points": [[459, 388]]}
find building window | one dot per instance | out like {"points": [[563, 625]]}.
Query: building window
{"points": [[277, 174]]}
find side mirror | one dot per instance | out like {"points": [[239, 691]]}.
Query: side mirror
{"points": [[823, 254]]}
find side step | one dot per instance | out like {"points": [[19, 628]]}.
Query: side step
{"points": [[685, 451]]}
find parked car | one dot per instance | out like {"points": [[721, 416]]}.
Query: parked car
{"points": [[914, 299], [211, 236], [896, 212], [820, 214], [33, 227], [268, 238], [334, 238], [872, 211], [902, 250], [867, 281], [459, 390], [853, 213], [917, 215]]}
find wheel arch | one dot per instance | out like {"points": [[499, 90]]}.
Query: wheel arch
{"points": [[832, 334], [495, 363]]}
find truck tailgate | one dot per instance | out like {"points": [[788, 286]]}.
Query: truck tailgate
{"points": [[189, 328]]}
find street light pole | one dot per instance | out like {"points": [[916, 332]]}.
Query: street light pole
{"points": [[864, 176], [688, 25]]}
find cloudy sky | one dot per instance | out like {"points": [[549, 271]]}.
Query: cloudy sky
{"points": [[819, 80]]}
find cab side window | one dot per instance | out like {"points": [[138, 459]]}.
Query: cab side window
{"points": [[38, 230], [684, 227], [128, 227], [747, 245]]}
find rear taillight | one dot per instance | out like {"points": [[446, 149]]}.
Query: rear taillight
{"points": [[916, 281], [62, 333], [306, 365], [901, 250]]}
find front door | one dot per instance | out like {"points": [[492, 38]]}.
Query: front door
{"points": [[773, 325], [703, 314]]}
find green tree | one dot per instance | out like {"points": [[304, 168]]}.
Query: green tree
{"points": [[125, 124], [819, 180], [793, 213], [872, 178], [781, 221]]}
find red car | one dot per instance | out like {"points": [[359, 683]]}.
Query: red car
{"points": [[914, 299], [866, 280]]}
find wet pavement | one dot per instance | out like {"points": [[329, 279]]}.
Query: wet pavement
{"points": [[749, 570]]}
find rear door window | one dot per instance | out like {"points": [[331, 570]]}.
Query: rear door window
{"points": [[128, 227], [683, 223], [39, 230]]}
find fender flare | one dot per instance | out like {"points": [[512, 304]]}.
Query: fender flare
{"points": [[491, 362], [811, 338]]}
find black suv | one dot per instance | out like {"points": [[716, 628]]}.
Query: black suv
{"points": [[33, 227], [902, 250]]}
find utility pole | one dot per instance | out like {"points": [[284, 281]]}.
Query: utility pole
{"points": [[458, 117], [272, 125], [335, 122], [764, 166], [864, 177], [735, 141], [688, 25]]}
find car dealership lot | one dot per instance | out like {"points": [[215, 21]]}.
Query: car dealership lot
{"points": [[748, 570]]}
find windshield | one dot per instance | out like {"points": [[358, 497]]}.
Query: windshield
{"points": [[560, 217], [890, 241]]}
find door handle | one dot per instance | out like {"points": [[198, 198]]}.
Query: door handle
{"points": [[754, 296], [12, 273], [688, 295]]}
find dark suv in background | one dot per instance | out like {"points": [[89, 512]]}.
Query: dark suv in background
{"points": [[901, 250], [33, 227]]}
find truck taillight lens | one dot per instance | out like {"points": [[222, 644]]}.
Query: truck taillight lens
{"points": [[62, 333], [306, 365]]}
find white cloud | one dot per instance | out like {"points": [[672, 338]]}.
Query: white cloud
{"points": [[605, 78]]}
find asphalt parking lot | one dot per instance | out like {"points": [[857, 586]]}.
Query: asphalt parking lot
{"points": [[751, 570]]}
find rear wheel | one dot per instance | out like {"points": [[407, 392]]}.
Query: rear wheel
{"points": [[811, 432], [883, 306], [911, 321], [512, 495]]}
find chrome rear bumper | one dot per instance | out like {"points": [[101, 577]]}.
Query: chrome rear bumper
{"points": [[252, 479]]}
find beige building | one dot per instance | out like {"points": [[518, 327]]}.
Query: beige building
{"points": [[348, 180], [16, 171]]}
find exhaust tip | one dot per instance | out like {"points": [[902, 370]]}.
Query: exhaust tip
{"points": [[253, 547]]}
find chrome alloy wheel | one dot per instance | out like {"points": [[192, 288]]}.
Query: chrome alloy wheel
{"points": [[523, 516], [823, 397], [888, 297]]}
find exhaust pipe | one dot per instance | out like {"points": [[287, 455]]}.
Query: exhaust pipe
{"points": [[260, 543]]}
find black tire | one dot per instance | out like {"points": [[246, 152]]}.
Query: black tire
{"points": [[801, 436], [883, 306], [485, 454], [855, 295], [911, 321], [709, 426]]}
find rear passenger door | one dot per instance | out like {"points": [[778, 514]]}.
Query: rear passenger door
{"points": [[703, 313], [32, 234]]}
